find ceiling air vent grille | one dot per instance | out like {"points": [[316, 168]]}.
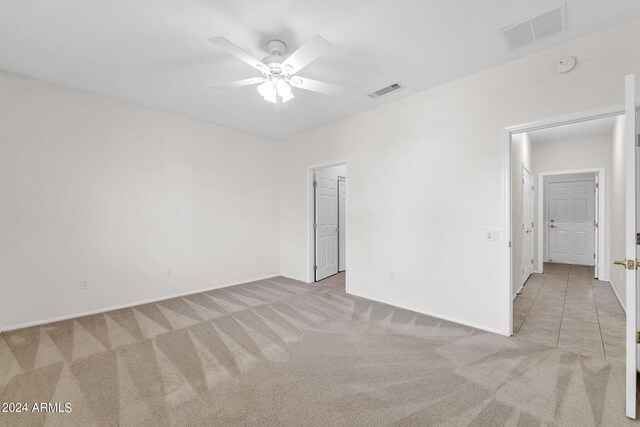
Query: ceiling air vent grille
{"points": [[542, 26], [386, 90]]}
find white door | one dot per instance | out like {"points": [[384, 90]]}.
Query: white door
{"points": [[342, 224], [326, 224], [571, 222], [631, 212], [596, 221], [527, 224]]}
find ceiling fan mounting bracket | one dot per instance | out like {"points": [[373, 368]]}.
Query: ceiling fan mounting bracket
{"points": [[276, 47]]}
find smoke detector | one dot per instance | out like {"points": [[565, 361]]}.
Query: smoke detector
{"points": [[566, 64]]}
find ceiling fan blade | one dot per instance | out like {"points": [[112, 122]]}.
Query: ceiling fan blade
{"points": [[239, 83], [315, 86], [307, 53], [233, 49]]}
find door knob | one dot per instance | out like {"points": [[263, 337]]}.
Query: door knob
{"points": [[622, 262]]}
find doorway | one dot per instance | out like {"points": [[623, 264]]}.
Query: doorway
{"points": [[329, 221], [561, 302], [622, 203], [563, 298]]}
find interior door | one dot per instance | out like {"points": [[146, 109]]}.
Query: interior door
{"points": [[527, 224], [571, 222], [631, 212], [342, 224], [596, 222], [326, 224]]}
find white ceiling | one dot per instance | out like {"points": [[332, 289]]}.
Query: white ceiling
{"points": [[574, 130], [155, 52]]}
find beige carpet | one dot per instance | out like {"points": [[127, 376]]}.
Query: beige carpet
{"points": [[278, 352]]}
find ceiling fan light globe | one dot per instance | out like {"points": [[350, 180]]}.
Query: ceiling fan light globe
{"points": [[284, 90], [268, 91], [287, 97], [271, 98]]}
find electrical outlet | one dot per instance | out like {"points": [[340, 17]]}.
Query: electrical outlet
{"points": [[492, 235], [84, 284]]}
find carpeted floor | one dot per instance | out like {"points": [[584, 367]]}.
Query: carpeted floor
{"points": [[279, 352]]}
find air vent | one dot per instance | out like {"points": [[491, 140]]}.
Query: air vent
{"points": [[547, 24], [386, 90]]}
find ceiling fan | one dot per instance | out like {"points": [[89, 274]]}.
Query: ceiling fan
{"points": [[278, 73]]}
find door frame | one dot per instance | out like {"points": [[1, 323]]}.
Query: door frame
{"points": [[506, 249], [601, 200], [343, 180], [311, 235]]}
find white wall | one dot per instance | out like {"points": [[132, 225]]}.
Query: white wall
{"points": [[116, 194], [337, 171], [425, 177], [574, 154], [618, 217], [521, 155]]}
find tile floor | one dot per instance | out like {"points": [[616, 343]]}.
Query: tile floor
{"points": [[337, 281], [566, 308]]}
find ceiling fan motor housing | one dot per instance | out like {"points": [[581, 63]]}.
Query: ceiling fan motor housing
{"points": [[276, 48]]}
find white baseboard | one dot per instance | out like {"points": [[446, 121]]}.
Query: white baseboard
{"points": [[439, 316], [517, 292], [296, 278], [128, 305], [618, 296]]}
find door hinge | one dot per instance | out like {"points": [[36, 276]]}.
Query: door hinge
{"points": [[315, 183], [531, 260], [315, 268], [597, 185], [594, 256], [637, 238], [595, 224], [638, 140], [637, 337], [315, 225]]}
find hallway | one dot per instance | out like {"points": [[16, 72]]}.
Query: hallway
{"points": [[566, 308]]}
